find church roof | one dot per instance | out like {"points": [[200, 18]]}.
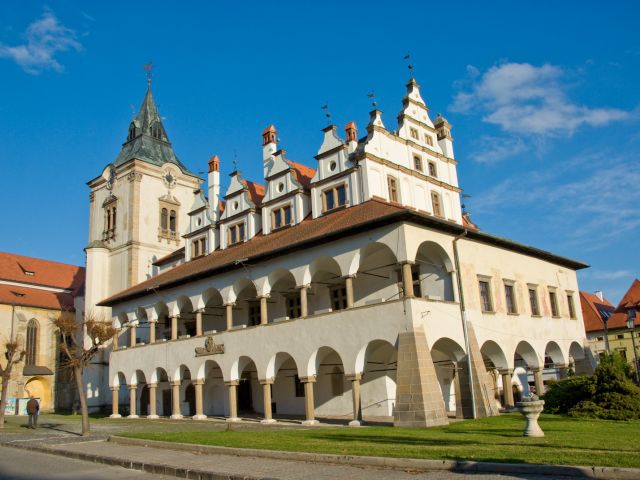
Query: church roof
{"points": [[310, 232], [147, 139], [35, 297], [36, 271]]}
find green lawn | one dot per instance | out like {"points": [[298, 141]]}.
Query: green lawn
{"points": [[568, 441]]}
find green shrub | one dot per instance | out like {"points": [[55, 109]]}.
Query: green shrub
{"points": [[561, 396]]}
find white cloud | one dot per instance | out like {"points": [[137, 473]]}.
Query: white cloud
{"points": [[45, 37], [608, 275], [492, 149], [523, 99]]}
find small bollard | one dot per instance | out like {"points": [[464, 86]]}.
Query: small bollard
{"points": [[531, 407]]}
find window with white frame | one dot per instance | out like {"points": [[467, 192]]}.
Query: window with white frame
{"points": [[417, 162], [334, 197], [236, 233], [553, 302], [533, 301], [510, 297], [281, 217], [436, 203], [572, 307], [338, 295], [433, 169], [486, 302], [392, 184]]}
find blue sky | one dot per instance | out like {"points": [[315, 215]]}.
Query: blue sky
{"points": [[543, 97]]}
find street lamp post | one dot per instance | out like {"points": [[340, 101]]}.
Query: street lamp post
{"points": [[631, 316]]}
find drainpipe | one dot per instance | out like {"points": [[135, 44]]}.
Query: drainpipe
{"points": [[463, 315], [13, 316]]}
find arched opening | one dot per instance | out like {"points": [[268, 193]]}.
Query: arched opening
{"points": [[163, 392], [163, 327], [378, 386], [432, 273], [287, 392], [187, 398], [525, 359], [142, 392], [284, 302], [214, 392], [187, 323], [495, 361], [40, 388], [213, 315], [580, 361], [142, 330], [249, 390], [123, 394], [332, 391], [377, 277], [446, 354], [247, 308], [31, 347], [328, 289]]}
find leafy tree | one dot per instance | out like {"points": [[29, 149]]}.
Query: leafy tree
{"points": [[13, 354], [78, 353]]}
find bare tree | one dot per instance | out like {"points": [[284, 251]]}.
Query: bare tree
{"points": [[13, 354], [78, 354]]}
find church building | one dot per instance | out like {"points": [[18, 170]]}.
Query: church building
{"points": [[351, 287]]}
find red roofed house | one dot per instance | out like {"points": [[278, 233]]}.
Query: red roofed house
{"points": [[320, 291], [32, 292], [597, 311]]}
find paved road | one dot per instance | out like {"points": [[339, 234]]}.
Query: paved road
{"points": [[22, 464]]}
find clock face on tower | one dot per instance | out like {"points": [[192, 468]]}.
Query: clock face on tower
{"points": [[168, 178]]}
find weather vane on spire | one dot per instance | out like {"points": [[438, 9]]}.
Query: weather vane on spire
{"points": [[328, 114], [148, 67], [409, 66], [372, 97]]}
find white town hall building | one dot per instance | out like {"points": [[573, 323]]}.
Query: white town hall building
{"points": [[355, 290]]}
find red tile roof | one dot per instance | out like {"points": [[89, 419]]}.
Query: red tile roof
{"points": [[35, 271], [256, 192], [311, 232], [302, 173], [630, 299], [33, 297], [593, 310]]}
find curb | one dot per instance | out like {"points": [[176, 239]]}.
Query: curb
{"points": [[156, 468], [419, 465]]}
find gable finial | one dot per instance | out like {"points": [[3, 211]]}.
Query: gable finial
{"points": [[148, 67]]}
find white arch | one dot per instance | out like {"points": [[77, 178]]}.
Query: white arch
{"points": [[316, 358], [528, 354], [239, 365], [276, 361], [494, 352], [553, 350]]}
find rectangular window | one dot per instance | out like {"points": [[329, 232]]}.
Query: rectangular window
{"points": [[236, 233], [254, 313], [338, 297], [195, 248], [533, 301], [599, 339], [281, 217], [572, 308], [429, 140], [393, 189], [417, 163], [622, 352], [437, 206], [433, 170], [553, 301], [414, 133], [203, 246], [485, 296], [334, 197], [299, 386], [620, 336], [510, 299], [294, 309]]}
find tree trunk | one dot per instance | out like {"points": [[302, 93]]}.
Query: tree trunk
{"points": [[77, 372], [3, 398]]}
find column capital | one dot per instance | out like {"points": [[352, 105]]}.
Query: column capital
{"points": [[266, 295], [232, 383], [266, 381], [536, 369], [152, 320], [309, 379], [229, 304], [561, 365], [303, 287], [353, 376], [152, 385], [114, 389], [198, 381], [350, 275], [505, 371], [133, 386], [407, 262], [176, 383], [199, 310]]}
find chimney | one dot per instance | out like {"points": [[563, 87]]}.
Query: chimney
{"points": [[269, 147], [598, 293], [214, 186], [352, 136]]}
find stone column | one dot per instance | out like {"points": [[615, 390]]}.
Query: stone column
{"points": [[563, 370], [174, 327], [229, 311], [116, 337], [264, 312], [407, 279], [233, 400], [133, 331], [348, 283], [266, 396], [507, 388], [175, 400], [199, 411], [309, 408], [539, 382], [132, 401], [152, 331], [199, 323], [304, 305], [114, 403], [355, 390], [152, 401]]}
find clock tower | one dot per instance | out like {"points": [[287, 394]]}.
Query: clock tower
{"points": [[138, 209]]}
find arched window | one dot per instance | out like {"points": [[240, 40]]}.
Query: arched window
{"points": [[172, 221], [32, 342], [163, 219], [437, 205]]}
